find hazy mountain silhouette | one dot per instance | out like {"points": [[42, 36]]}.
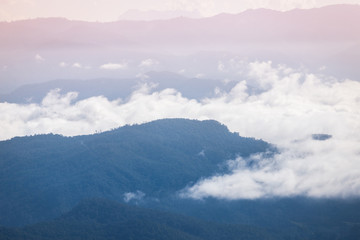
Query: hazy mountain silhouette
{"points": [[150, 15], [326, 37], [193, 88], [327, 24]]}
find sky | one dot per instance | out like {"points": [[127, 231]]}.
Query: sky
{"points": [[111, 10]]}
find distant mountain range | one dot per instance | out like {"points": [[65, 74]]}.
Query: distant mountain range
{"points": [[41, 50], [329, 24], [138, 15], [193, 88]]}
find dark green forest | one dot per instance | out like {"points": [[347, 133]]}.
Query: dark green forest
{"points": [[46, 175], [55, 187], [103, 219]]}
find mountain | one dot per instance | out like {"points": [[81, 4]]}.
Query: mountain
{"points": [[292, 218], [40, 50], [43, 176], [138, 15], [104, 219], [112, 89], [252, 26], [49, 181]]}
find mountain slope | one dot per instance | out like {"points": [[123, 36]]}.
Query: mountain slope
{"points": [[43, 176], [116, 88], [103, 219]]}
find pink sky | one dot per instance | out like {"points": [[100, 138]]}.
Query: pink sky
{"points": [[110, 10]]}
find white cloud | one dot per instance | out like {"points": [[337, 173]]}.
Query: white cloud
{"points": [[202, 153], [64, 64], [148, 63], [322, 68], [77, 65], [39, 58], [114, 66], [309, 168], [131, 196], [221, 66], [142, 76], [200, 75], [290, 107], [235, 66]]}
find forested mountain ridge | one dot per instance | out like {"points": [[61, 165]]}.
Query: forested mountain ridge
{"points": [[45, 175], [104, 219], [43, 178]]}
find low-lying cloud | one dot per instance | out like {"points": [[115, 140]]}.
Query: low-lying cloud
{"points": [[114, 66], [39, 58], [148, 62], [278, 104], [133, 196], [327, 169]]}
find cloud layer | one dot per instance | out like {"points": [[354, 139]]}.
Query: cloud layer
{"points": [[278, 104], [133, 196], [113, 66], [308, 168]]}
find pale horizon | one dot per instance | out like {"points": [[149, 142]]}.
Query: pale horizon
{"points": [[111, 10]]}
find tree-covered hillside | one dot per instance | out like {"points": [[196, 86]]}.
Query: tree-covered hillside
{"points": [[103, 219], [46, 175], [43, 177]]}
